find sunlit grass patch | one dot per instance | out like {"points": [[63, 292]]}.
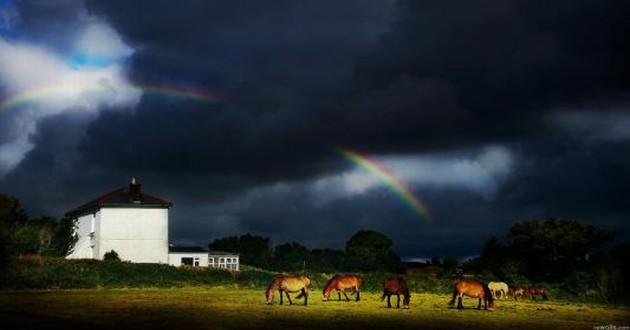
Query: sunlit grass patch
{"points": [[231, 307]]}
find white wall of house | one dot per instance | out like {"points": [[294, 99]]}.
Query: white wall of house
{"points": [[84, 247], [198, 258], [136, 234]]}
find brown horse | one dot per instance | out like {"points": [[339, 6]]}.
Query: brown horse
{"points": [[341, 283], [537, 290], [397, 286], [530, 292], [473, 290], [286, 284]]}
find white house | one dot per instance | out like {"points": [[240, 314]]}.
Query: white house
{"points": [[126, 220], [223, 260], [135, 225], [187, 255]]}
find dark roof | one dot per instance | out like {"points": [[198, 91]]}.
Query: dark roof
{"points": [[221, 253], [186, 249], [120, 197]]}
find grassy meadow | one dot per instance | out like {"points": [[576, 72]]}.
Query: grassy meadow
{"points": [[232, 307], [53, 293]]}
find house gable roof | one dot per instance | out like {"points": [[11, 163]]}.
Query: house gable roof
{"points": [[129, 197]]}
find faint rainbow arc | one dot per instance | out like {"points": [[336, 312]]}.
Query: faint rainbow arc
{"points": [[41, 93], [416, 204]]}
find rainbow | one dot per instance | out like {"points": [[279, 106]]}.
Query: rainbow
{"points": [[396, 185], [194, 94], [54, 91]]}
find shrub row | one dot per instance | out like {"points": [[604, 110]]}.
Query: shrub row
{"points": [[27, 273]]}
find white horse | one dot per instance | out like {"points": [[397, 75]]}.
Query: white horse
{"points": [[496, 287]]}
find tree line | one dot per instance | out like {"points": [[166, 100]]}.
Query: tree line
{"points": [[22, 235], [365, 251], [576, 255]]}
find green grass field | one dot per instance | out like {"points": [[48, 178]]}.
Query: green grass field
{"points": [[233, 308]]}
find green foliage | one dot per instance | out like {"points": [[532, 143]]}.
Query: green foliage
{"points": [[21, 236], [326, 260], [549, 250], [291, 257], [111, 256], [254, 250], [34, 272], [368, 250], [578, 283]]}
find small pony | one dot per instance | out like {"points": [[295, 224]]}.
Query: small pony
{"points": [[286, 284], [397, 286], [473, 290], [341, 283], [498, 287]]}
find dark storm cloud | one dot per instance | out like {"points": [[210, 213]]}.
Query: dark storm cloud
{"points": [[553, 167], [301, 78], [445, 73]]}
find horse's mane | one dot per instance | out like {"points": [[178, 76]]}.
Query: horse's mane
{"points": [[273, 285], [402, 286]]}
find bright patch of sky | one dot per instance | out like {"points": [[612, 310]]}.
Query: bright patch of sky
{"points": [[481, 171], [37, 82]]}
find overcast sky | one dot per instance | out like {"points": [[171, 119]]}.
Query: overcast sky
{"points": [[243, 113]]}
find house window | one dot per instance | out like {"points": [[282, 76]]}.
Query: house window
{"points": [[228, 263], [196, 262], [187, 261]]}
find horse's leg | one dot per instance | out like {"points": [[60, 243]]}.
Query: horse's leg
{"points": [[280, 296], [398, 301], [358, 294], [344, 293], [479, 305], [459, 302], [389, 296], [305, 293], [338, 295], [289, 297]]}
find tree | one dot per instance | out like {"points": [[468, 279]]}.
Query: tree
{"points": [[20, 235], [368, 250], [327, 260], [253, 250], [291, 256], [550, 250]]}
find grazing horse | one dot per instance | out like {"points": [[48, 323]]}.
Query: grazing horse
{"points": [[530, 292], [397, 286], [341, 283], [496, 287], [537, 290], [473, 290], [286, 284], [518, 292]]}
